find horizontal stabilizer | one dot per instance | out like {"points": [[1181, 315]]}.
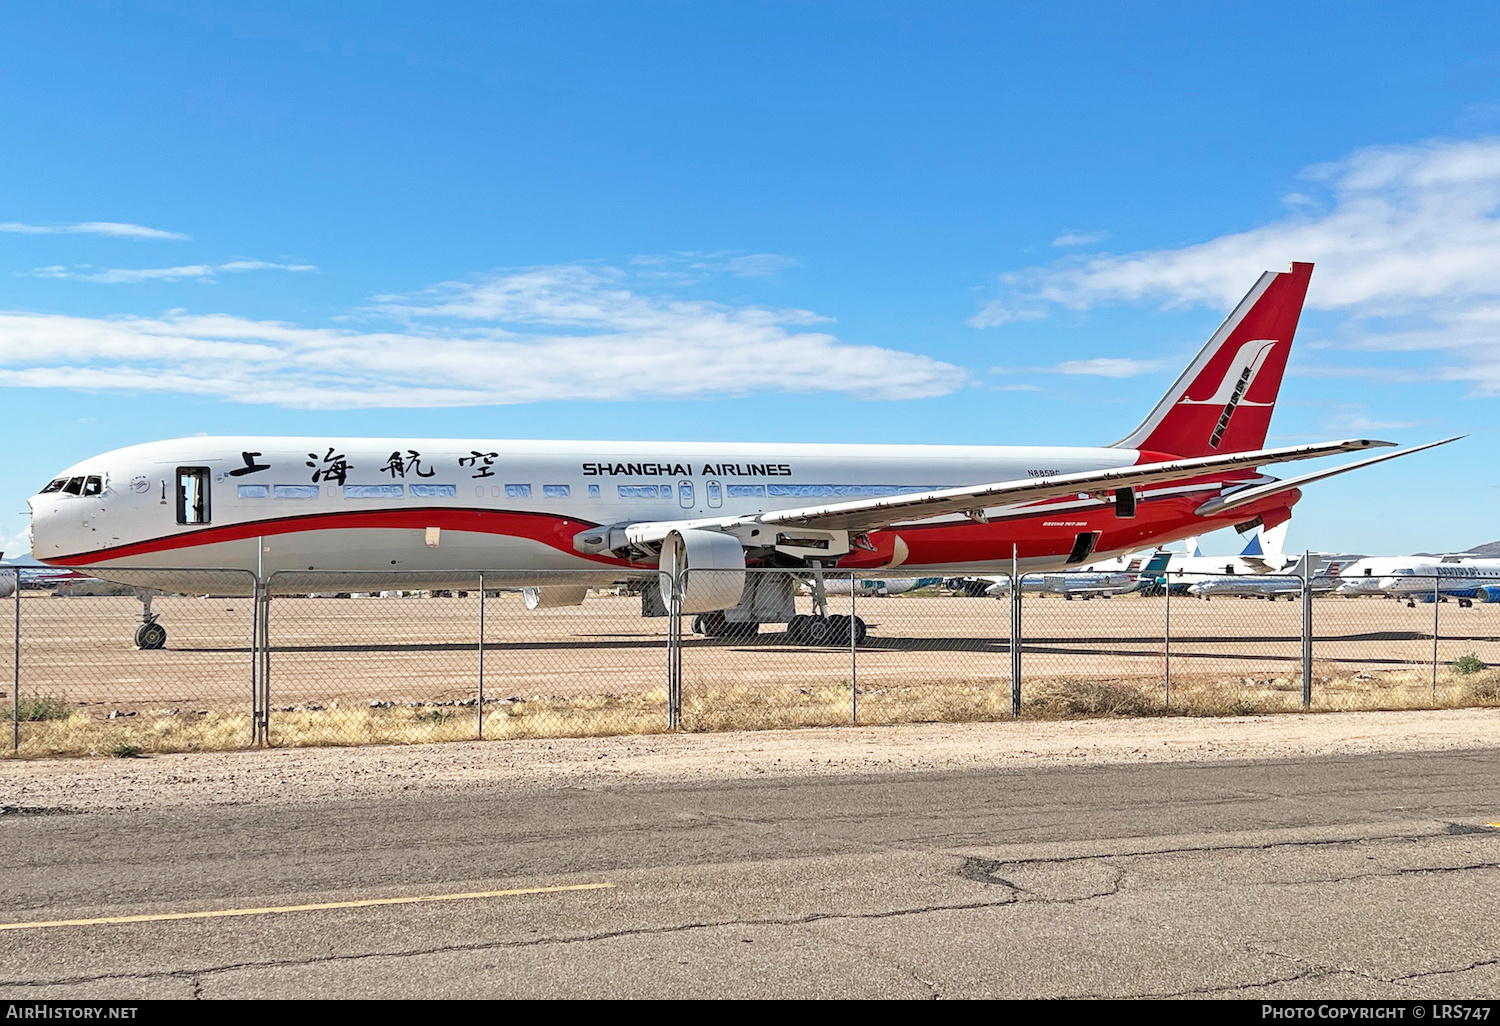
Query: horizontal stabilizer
{"points": [[1255, 493]]}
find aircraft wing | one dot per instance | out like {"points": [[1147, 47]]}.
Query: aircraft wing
{"points": [[874, 514], [1255, 493]]}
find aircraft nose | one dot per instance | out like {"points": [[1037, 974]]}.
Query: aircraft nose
{"points": [[41, 529]]}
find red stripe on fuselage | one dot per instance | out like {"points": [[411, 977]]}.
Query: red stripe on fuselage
{"points": [[1045, 533], [549, 530]]}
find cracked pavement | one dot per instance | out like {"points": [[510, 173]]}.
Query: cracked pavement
{"points": [[1369, 876]]}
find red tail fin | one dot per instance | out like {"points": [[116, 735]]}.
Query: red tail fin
{"points": [[1224, 400]]}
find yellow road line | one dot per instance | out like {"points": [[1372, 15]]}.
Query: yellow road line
{"points": [[321, 906]]}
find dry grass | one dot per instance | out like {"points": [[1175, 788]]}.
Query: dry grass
{"points": [[157, 733], [736, 706]]}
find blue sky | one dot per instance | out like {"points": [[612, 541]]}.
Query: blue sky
{"points": [[922, 222]]}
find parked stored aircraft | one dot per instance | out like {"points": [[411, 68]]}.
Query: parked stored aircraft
{"points": [[1261, 555], [1363, 576], [875, 587], [429, 507], [1097, 580], [1461, 577], [1286, 582]]}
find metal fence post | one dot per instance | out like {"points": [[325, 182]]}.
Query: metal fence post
{"points": [[265, 664], [1015, 633], [1306, 630], [255, 613], [479, 701], [1436, 581], [853, 655], [15, 691], [674, 648], [1166, 652]]}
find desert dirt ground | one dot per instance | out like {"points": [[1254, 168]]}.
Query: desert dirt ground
{"points": [[306, 776], [348, 671]]}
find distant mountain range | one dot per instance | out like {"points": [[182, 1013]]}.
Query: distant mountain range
{"points": [[1491, 549]]}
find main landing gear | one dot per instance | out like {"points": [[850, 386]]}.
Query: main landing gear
{"points": [[149, 634], [715, 625], [824, 630], [820, 628]]}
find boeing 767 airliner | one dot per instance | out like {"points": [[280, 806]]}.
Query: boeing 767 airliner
{"points": [[428, 506]]}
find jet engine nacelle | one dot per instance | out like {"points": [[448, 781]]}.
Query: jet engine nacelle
{"points": [[710, 567], [554, 596]]}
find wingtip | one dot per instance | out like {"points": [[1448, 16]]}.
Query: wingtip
{"points": [[1434, 445]]}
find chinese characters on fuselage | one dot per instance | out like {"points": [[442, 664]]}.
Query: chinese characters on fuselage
{"points": [[396, 466], [334, 467]]}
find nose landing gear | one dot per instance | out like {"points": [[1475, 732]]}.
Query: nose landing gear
{"points": [[150, 634]]}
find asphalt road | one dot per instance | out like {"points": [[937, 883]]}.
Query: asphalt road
{"points": [[1358, 877]]}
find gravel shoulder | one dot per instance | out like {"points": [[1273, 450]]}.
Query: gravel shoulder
{"points": [[311, 775]]}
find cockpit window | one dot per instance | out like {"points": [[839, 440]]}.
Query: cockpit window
{"points": [[55, 485], [74, 486], [93, 485]]}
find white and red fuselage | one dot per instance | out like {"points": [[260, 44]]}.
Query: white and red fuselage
{"points": [[435, 505]]}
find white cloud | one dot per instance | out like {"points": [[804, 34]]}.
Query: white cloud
{"points": [[1072, 238], [997, 312], [553, 333], [1406, 242], [759, 265], [114, 228], [132, 275], [1110, 367]]}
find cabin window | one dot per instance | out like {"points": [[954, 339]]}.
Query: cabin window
{"points": [[296, 491], [746, 491], [685, 494], [715, 494], [255, 491], [1367, 571], [556, 491], [593, 491], [380, 491], [192, 495], [518, 491], [641, 491], [434, 491]]}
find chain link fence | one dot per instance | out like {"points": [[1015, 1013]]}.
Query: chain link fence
{"points": [[360, 658], [185, 660], [156, 660]]}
